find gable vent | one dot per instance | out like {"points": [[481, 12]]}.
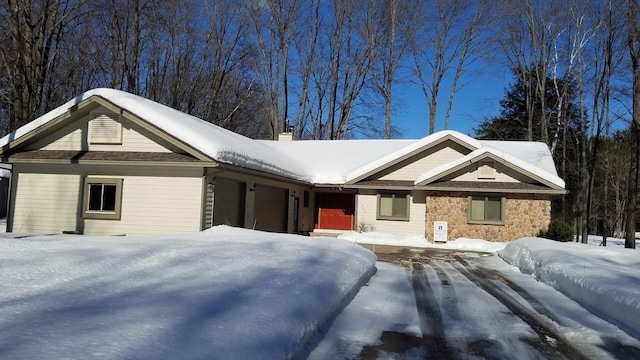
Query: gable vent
{"points": [[104, 128], [486, 170]]}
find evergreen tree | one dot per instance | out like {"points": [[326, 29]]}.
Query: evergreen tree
{"points": [[513, 124]]}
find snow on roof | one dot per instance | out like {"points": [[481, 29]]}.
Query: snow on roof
{"points": [[417, 145], [312, 161], [534, 153], [329, 161], [220, 144], [477, 154]]}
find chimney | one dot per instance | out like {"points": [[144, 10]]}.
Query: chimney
{"points": [[287, 135]]}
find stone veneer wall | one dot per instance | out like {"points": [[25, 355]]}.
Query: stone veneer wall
{"points": [[525, 215]]}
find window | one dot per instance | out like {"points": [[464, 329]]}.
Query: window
{"points": [[393, 206], [486, 209], [102, 198]]}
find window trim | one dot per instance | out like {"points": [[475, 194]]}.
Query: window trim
{"points": [[99, 214], [486, 222], [394, 195]]}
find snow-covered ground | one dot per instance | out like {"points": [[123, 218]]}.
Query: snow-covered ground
{"points": [[236, 293], [225, 293]]}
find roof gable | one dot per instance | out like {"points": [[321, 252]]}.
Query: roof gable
{"points": [[409, 151], [346, 162], [207, 139], [486, 153]]}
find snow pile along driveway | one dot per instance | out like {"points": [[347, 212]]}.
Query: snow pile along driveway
{"points": [[605, 280], [223, 293]]}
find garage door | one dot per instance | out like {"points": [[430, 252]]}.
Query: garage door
{"points": [[271, 209]]}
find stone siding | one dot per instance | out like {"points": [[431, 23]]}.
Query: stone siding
{"points": [[525, 215]]}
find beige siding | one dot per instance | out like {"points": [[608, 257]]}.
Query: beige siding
{"points": [[415, 166], [74, 137], [154, 205], [502, 174], [366, 213], [155, 200], [46, 203]]}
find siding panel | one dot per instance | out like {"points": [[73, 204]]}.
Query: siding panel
{"points": [[74, 137], [154, 205], [46, 203], [415, 166], [367, 205]]}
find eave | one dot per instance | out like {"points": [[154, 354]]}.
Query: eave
{"points": [[65, 157]]}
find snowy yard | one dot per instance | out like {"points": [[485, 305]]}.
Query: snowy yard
{"points": [[235, 293]]}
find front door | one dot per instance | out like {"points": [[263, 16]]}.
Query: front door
{"points": [[335, 211]]}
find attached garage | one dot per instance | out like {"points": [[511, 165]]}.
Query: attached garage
{"points": [[224, 204], [271, 208]]}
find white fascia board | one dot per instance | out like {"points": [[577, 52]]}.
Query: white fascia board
{"points": [[410, 150], [516, 164]]}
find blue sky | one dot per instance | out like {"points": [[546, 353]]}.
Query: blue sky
{"points": [[478, 99]]}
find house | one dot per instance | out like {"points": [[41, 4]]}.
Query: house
{"points": [[109, 162]]}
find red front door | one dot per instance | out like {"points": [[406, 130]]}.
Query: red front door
{"points": [[335, 211]]}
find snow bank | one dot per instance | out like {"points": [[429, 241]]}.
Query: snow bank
{"points": [[223, 293], [380, 238], [605, 280]]}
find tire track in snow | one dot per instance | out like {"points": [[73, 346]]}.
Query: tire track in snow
{"points": [[615, 348], [429, 313], [551, 342]]}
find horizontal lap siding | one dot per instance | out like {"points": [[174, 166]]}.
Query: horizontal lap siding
{"points": [[367, 207], [155, 200], [74, 137], [154, 205], [501, 174], [417, 165], [46, 203]]}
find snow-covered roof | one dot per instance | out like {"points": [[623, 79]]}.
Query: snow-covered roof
{"points": [[313, 161], [220, 144], [481, 153]]}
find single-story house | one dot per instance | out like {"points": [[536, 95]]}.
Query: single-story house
{"points": [[109, 162]]}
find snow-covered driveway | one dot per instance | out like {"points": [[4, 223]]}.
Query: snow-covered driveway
{"points": [[461, 305]]}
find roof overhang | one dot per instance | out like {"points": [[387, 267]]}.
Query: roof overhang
{"points": [[106, 158], [552, 181], [411, 150], [458, 186]]}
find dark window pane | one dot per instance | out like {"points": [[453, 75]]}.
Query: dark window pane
{"points": [[477, 208], [400, 206], [386, 205], [494, 211], [109, 198], [95, 197]]}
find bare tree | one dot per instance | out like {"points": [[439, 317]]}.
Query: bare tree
{"points": [[35, 33], [452, 29], [529, 29], [274, 33], [633, 39], [395, 20], [607, 56]]}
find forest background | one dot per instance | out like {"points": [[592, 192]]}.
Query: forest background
{"points": [[339, 69]]}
